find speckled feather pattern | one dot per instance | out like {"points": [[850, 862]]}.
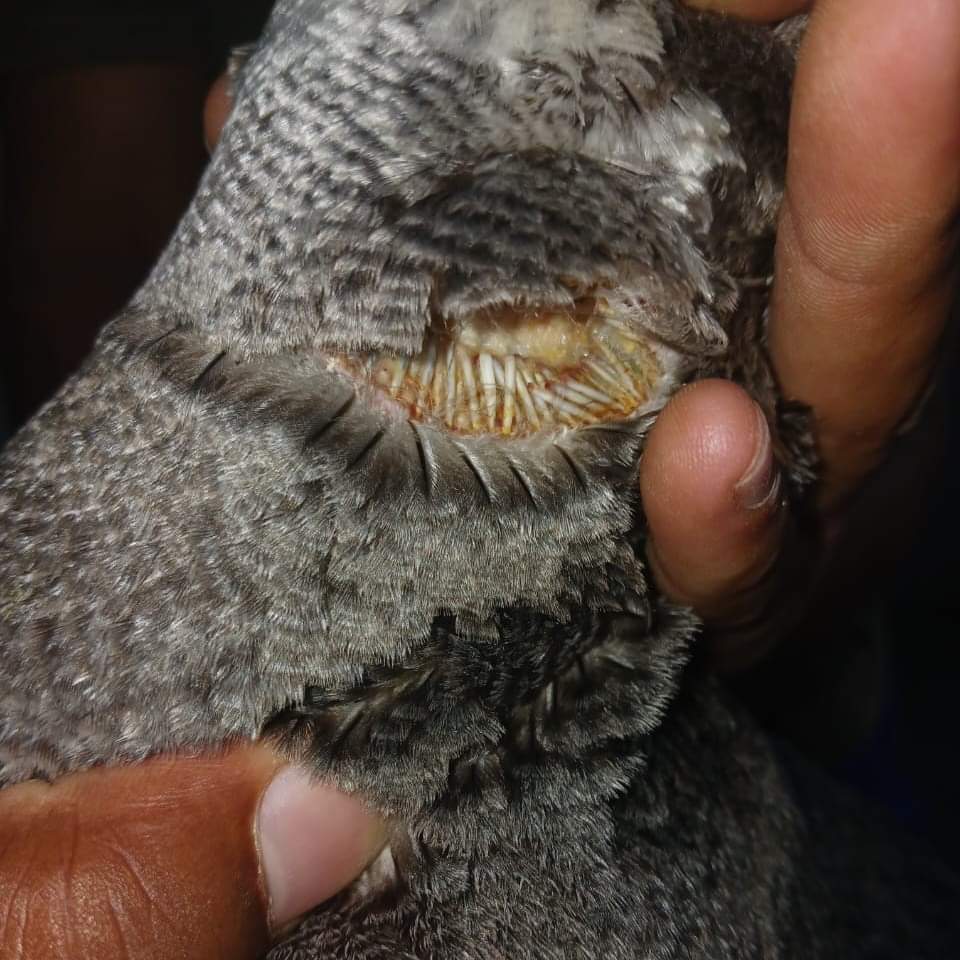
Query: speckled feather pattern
{"points": [[213, 532]]}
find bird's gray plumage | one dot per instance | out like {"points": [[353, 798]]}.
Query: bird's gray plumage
{"points": [[213, 530]]}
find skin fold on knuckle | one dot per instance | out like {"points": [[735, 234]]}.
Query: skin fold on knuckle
{"points": [[874, 128], [154, 863], [883, 339], [202, 879], [62, 896]]}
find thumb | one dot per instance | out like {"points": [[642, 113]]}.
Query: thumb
{"points": [[194, 857], [711, 493]]}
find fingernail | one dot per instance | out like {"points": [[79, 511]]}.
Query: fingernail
{"points": [[313, 842], [760, 483]]}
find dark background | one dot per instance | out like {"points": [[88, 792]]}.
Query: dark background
{"points": [[100, 150]]}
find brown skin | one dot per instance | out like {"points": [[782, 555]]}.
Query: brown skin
{"points": [[97, 162], [160, 861], [154, 862]]}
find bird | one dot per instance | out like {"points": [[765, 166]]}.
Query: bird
{"points": [[355, 472]]}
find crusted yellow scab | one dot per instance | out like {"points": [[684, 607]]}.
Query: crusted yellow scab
{"points": [[514, 372], [557, 338]]}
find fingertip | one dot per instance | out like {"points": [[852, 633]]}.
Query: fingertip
{"points": [[704, 444], [236, 845], [313, 841], [709, 485], [759, 484]]}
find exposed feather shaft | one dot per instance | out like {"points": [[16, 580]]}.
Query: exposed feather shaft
{"points": [[488, 383], [476, 386], [509, 391]]}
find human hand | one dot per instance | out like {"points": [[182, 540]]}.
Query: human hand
{"points": [[173, 858], [862, 292]]}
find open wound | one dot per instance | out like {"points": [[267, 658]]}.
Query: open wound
{"points": [[515, 371]]}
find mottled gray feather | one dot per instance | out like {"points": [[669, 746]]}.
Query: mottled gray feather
{"points": [[212, 531]]}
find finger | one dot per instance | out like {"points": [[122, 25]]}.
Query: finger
{"points": [[754, 9], [161, 861], [711, 495], [862, 293], [216, 109]]}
